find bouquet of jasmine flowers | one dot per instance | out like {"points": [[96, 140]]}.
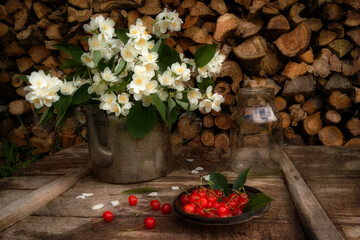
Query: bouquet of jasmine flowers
{"points": [[130, 73]]}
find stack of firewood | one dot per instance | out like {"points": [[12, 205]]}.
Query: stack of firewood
{"points": [[307, 50]]}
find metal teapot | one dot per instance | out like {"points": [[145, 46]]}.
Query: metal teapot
{"points": [[117, 158]]}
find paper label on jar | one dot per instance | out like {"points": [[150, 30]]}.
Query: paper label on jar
{"points": [[260, 115]]}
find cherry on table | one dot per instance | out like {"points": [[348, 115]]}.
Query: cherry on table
{"points": [[155, 204], [149, 222], [132, 200], [166, 208], [108, 216]]}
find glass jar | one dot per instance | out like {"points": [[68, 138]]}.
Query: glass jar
{"points": [[256, 132]]}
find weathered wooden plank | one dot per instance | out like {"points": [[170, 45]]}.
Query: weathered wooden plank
{"points": [[35, 200], [9, 196], [25, 182], [312, 215]]}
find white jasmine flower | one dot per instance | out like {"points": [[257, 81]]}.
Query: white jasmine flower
{"points": [[98, 88], [123, 98], [194, 95], [106, 53], [115, 203], [67, 88], [106, 100], [126, 108], [199, 169], [107, 28], [151, 87], [138, 83], [206, 177], [88, 60], [175, 24], [128, 52], [179, 69], [115, 108], [179, 95], [166, 79], [178, 85], [97, 42], [162, 15], [140, 43], [93, 26], [78, 81], [98, 206], [108, 75], [150, 69], [38, 80], [218, 99], [163, 95], [139, 69], [175, 188], [146, 101], [153, 194], [209, 93], [205, 104], [149, 57], [99, 19]]}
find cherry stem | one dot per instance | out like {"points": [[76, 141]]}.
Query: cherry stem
{"points": [[185, 191], [142, 211], [133, 229], [99, 220], [159, 199]]}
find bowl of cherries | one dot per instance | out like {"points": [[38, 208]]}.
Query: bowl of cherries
{"points": [[220, 203]]}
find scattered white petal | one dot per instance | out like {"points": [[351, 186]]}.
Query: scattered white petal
{"points": [[80, 197], [190, 159], [115, 203], [206, 177], [199, 169], [194, 171], [88, 194], [175, 188], [98, 206], [153, 194]]}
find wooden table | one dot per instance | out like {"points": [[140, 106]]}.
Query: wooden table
{"points": [[333, 175]]}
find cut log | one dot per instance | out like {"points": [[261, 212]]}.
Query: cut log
{"points": [[335, 63], [271, 8], [132, 16], [297, 114], [313, 124], [353, 126], [339, 101], [176, 139], [200, 9], [332, 117], [45, 130], [314, 24], [313, 104], [4, 29], [75, 15], [208, 138], [187, 128], [13, 6], [208, 121], [262, 82], [209, 26], [292, 138], [186, 4], [280, 103], [67, 140], [17, 141], [307, 56], [198, 35], [294, 14], [284, 4], [256, 7], [354, 34], [352, 18], [245, 3], [299, 98], [24, 64], [41, 10], [222, 88], [151, 7], [51, 62], [302, 85], [226, 25], [277, 26], [79, 3], [341, 47], [332, 11], [248, 28], [223, 121], [324, 37], [191, 21], [338, 28], [42, 144], [19, 107], [229, 99], [331, 136], [21, 92], [338, 82], [295, 42], [20, 19], [219, 6], [286, 121], [222, 141], [39, 53], [357, 95], [14, 50], [55, 32], [17, 82], [4, 77], [347, 68], [354, 142], [294, 70], [233, 70]]}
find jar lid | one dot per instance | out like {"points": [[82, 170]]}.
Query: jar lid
{"points": [[256, 90]]}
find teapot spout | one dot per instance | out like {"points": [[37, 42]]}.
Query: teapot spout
{"points": [[101, 156]]}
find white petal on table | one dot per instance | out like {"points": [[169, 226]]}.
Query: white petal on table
{"points": [[153, 194], [199, 169], [88, 194], [98, 206], [206, 177], [190, 159], [194, 171], [115, 203], [175, 188], [80, 197]]}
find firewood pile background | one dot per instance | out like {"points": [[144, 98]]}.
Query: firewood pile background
{"points": [[307, 50]]}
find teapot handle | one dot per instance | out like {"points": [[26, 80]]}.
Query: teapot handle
{"points": [[101, 156]]}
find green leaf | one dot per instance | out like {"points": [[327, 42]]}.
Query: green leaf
{"points": [[61, 107], [139, 190], [206, 83], [141, 120], [157, 46], [120, 67], [257, 201], [48, 113], [204, 54], [101, 65], [185, 105], [81, 95], [220, 182], [171, 104], [70, 63], [160, 106], [23, 77], [110, 63], [117, 87], [121, 34], [97, 58], [167, 56], [172, 117], [241, 179], [74, 51]]}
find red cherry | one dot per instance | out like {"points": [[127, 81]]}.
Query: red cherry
{"points": [[108, 216], [195, 197], [234, 197], [185, 199], [203, 202], [211, 198], [149, 222], [233, 204], [155, 205], [222, 210], [189, 208], [132, 200], [200, 211], [166, 208]]}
